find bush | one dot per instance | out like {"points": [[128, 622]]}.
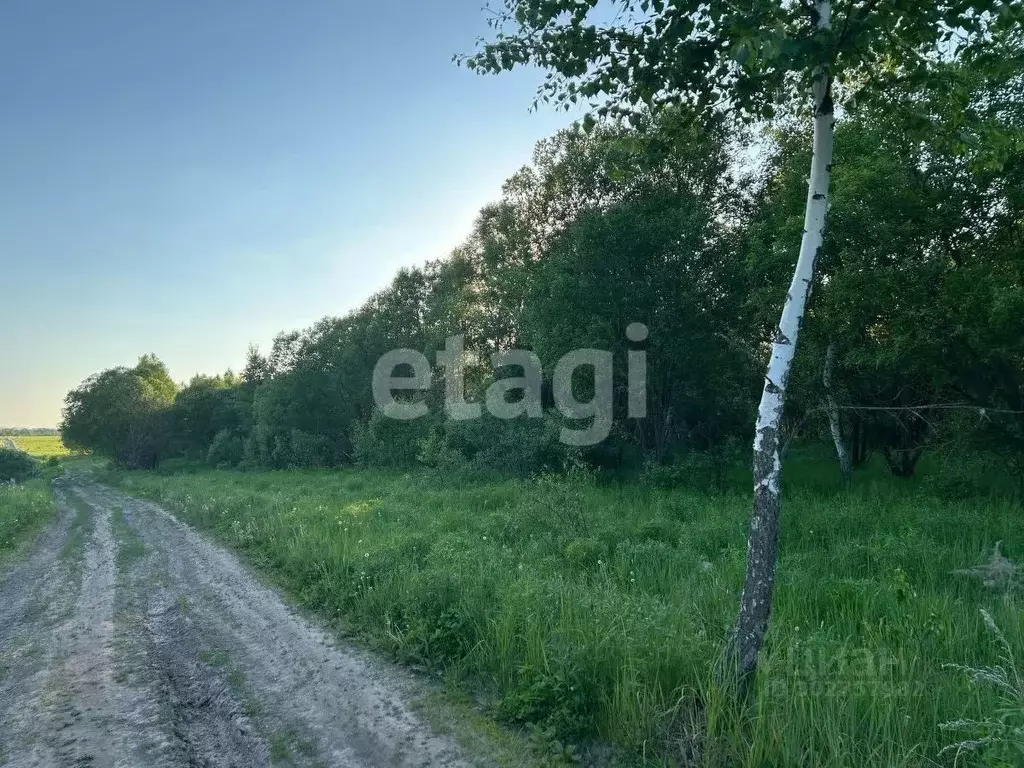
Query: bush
{"points": [[518, 447], [703, 470], [16, 466], [557, 696], [264, 448], [226, 450], [439, 451], [309, 450], [388, 443]]}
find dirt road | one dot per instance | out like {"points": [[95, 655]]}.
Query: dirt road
{"points": [[127, 639]]}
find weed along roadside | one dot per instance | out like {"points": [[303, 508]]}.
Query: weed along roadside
{"points": [[24, 510], [589, 615], [26, 501]]}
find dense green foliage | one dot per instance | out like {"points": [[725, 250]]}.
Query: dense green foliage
{"points": [[758, 59], [16, 466], [122, 413], [922, 294], [751, 62], [596, 612], [922, 259]]}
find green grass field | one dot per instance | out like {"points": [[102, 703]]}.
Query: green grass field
{"points": [[597, 614], [40, 446]]}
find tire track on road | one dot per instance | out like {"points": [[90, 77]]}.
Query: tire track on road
{"points": [[128, 639]]}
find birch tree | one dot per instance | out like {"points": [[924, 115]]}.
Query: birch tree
{"points": [[747, 59], [835, 424]]}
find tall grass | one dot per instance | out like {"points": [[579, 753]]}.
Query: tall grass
{"points": [[596, 614], [24, 509], [1002, 735]]}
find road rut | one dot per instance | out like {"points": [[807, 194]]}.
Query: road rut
{"points": [[128, 639]]}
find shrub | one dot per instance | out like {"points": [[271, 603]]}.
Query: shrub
{"points": [[226, 450], [439, 451], [518, 447], [309, 450], [557, 696], [704, 470], [16, 466], [441, 630], [291, 449], [388, 443]]}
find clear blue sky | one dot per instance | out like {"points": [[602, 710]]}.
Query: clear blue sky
{"points": [[186, 177]]}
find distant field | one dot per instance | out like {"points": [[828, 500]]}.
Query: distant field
{"points": [[38, 445]]}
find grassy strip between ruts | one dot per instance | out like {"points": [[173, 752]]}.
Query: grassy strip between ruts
{"points": [[595, 614]]}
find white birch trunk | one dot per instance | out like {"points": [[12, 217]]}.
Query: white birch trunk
{"points": [[834, 424], [748, 634]]}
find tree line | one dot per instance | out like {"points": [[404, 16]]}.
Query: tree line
{"points": [[641, 212], [915, 328]]}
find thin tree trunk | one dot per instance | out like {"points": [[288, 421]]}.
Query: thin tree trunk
{"points": [[747, 636], [834, 424]]}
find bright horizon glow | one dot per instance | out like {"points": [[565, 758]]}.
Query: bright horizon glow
{"points": [[185, 179]]}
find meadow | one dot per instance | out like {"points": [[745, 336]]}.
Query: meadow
{"points": [[40, 446], [592, 614]]}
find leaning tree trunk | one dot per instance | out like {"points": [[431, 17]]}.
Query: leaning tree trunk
{"points": [[748, 633], [834, 424]]}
